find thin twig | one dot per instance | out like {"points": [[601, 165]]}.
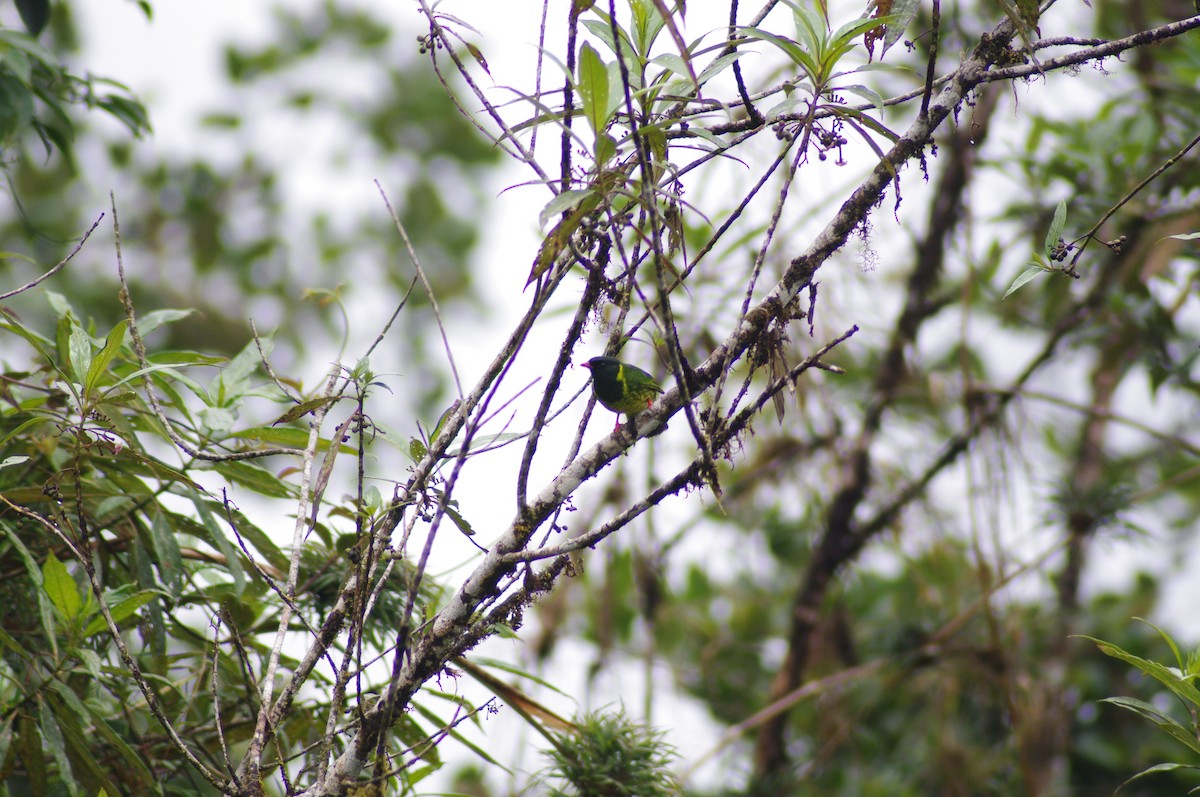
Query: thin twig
{"points": [[933, 52], [522, 154], [1091, 234], [58, 267], [416, 261], [537, 80], [215, 696], [391, 319], [266, 363], [756, 118]]}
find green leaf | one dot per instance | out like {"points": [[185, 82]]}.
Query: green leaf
{"points": [[134, 763], [59, 304], [441, 723], [717, 66], [904, 12], [29, 46], [1164, 723], [34, 16], [32, 752], [593, 88], [45, 609], [843, 38], [7, 734], [256, 477], [233, 383], [1166, 638], [868, 94], [606, 149], [167, 555], [1182, 687], [71, 716], [216, 537], [122, 611], [284, 437], [156, 318], [810, 28], [261, 541], [128, 111], [55, 744], [1158, 768], [16, 107], [80, 347], [1056, 228], [99, 365], [417, 739], [564, 201], [8, 462], [1024, 277], [40, 344], [671, 62], [498, 664], [218, 420], [647, 24], [10, 642], [416, 450], [1183, 236], [60, 587], [790, 48], [19, 64], [460, 521], [602, 29], [477, 54], [304, 408]]}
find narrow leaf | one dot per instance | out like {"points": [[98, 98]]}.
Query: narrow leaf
{"points": [[45, 609], [167, 554], [1168, 767], [1169, 678], [1056, 228], [1183, 236], [122, 611], [593, 88], [904, 12], [1024, 277], [99, 366], [80, 347], [1165, 723], [216, 536], [233, 381], [561, 203]]}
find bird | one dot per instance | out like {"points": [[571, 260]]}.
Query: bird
{"points": [[621, 387]]}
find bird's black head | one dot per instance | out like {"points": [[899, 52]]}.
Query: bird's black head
{"points": [[603, 367]]}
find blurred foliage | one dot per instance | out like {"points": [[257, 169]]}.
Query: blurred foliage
{"points": [[230, 237], [40, 95]]}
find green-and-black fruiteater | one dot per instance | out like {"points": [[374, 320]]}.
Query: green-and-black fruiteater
{"points": [[622, 387]]}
